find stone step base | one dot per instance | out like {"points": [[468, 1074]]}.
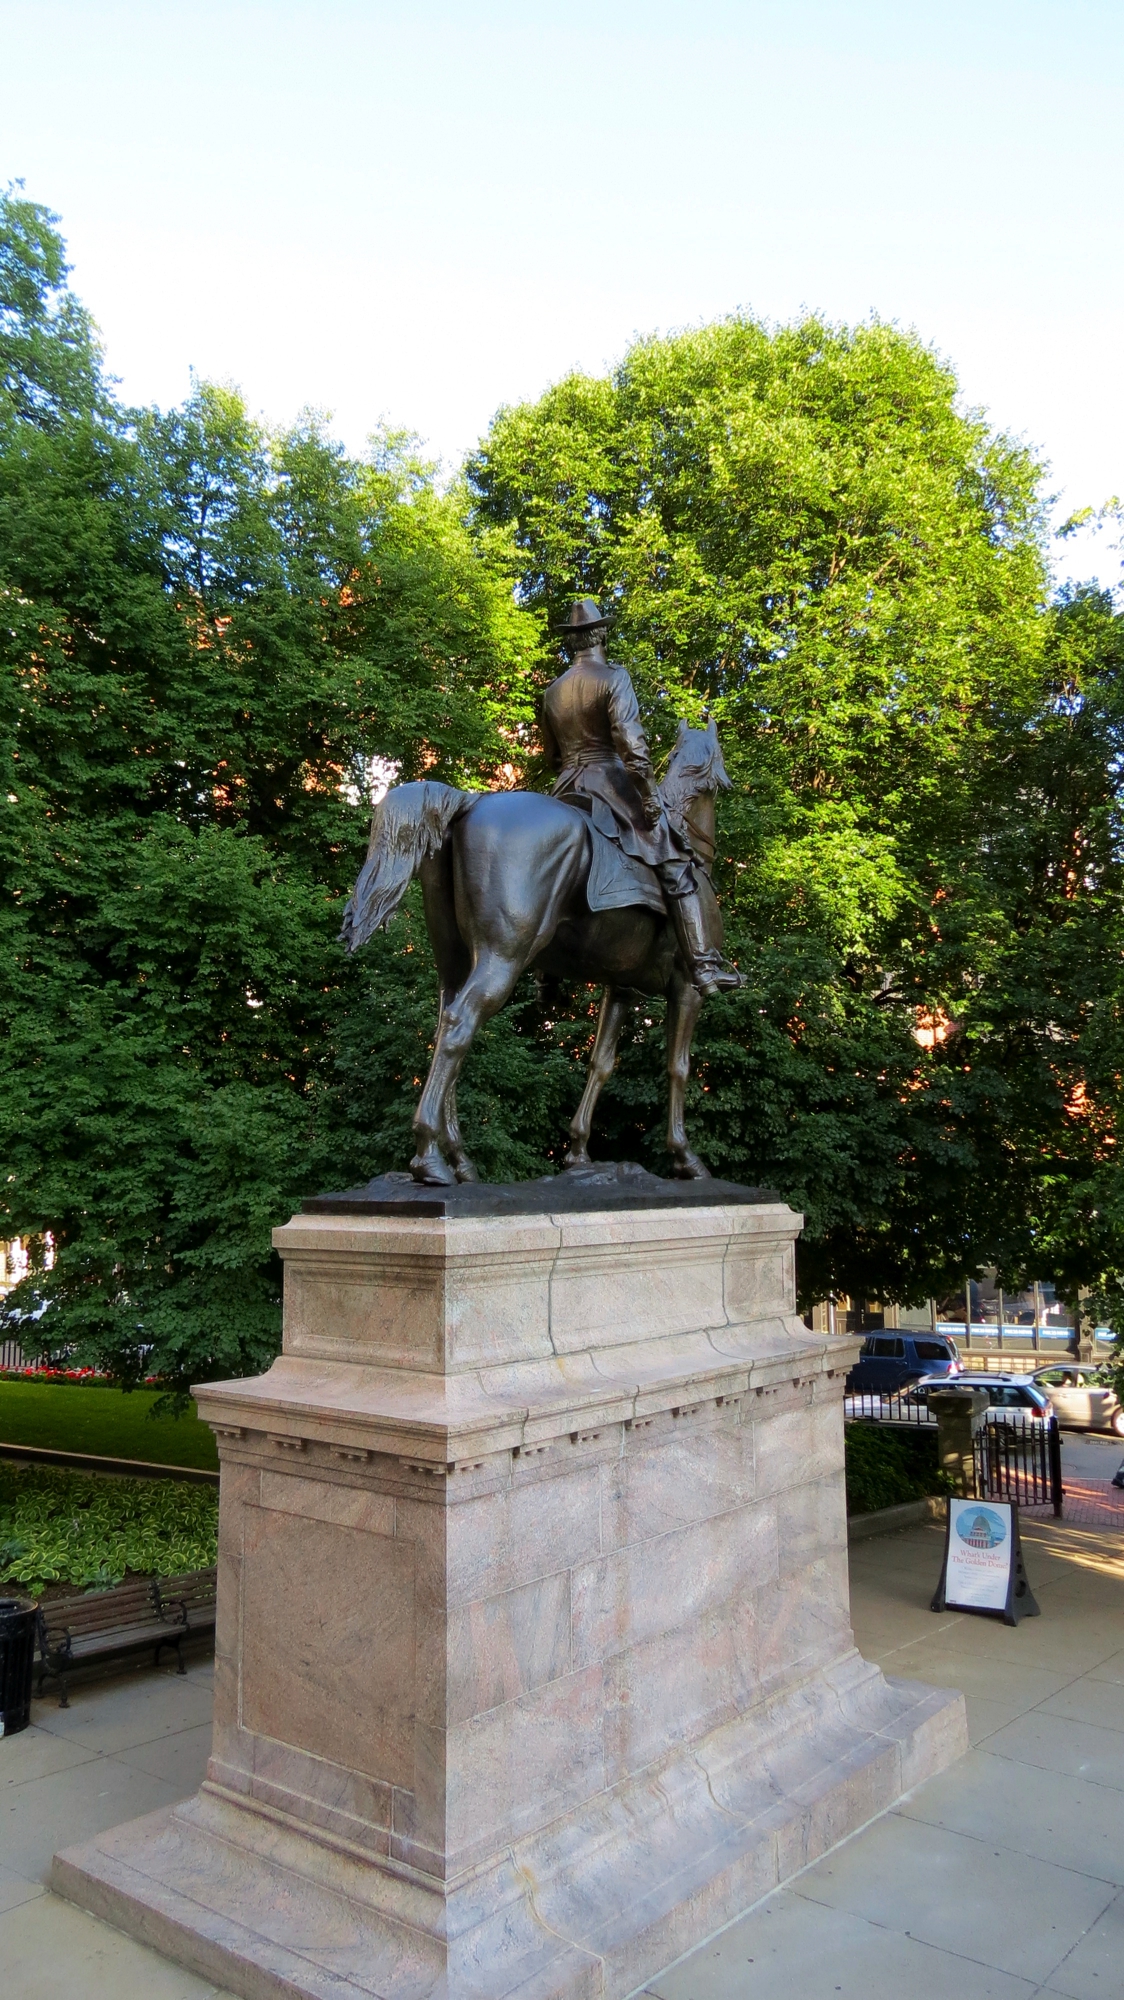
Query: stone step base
{"points": [[588, 1909]]}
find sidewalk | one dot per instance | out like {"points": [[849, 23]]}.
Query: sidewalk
{"points": [[1000, 1880]]}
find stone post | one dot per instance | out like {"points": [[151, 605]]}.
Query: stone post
{"points": [[959, 1414]]}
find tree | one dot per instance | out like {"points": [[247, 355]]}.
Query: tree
{"points": [[209, 632], [803, 533]]}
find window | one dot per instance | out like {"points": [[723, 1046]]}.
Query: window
{"points": [[932, 1350]]}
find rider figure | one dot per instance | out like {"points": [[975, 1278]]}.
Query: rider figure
{"points": [[593, 737]]}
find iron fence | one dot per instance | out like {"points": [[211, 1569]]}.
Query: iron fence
{"points": [[890, 1406], [1018, 1455], [11, 1355], [1020, 1459]]}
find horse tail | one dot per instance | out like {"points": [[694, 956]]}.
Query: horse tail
{"points": [[407, 826]]}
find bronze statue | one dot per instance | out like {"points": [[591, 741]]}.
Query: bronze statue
{"points": [[605, 880]]}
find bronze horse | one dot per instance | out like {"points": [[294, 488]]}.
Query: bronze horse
{"points": [[504, 878]]}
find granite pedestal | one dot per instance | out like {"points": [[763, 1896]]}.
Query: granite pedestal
{"points": [[534, 1658]]}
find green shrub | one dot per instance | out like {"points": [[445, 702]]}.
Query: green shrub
{"points": [[888, 1466], [82, 1528]]}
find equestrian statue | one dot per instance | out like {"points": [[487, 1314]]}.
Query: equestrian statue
{"points": [[605, 879]]}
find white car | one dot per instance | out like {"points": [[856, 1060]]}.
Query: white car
{"points": [[1013, 1398], [1083, 1397]]}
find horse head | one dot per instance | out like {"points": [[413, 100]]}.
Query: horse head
{"points": [[696, 773]]}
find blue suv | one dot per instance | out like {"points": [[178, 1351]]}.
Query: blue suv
{"points": [[889, 1361]]}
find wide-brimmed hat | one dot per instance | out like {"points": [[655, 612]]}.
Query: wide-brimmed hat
{"points": [[583, 612]]}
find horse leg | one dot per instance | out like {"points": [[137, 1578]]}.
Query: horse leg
{"points": [[601, 1062], [684, 1005], [453, 963], [483, 993], [454, 1145]]}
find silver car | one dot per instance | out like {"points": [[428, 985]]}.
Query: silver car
{"points": [[1082, 1397], [1012, 1398]]}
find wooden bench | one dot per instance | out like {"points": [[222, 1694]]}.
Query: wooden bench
{"points": [[155, 1611]]}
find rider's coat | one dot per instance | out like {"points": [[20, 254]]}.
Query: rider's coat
{"points": [[593, 737]]}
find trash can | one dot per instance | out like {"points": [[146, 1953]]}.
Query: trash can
{"points": [[17, 1657]]}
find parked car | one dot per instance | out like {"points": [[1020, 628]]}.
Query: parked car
{"points": [[1010, 1396], [1083, 1397], [889, 1361]]}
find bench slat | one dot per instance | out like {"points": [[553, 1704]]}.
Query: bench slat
{"points": [[122, 1636], [160, 1610]]}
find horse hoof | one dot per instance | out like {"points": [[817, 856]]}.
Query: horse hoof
{"points": [[579, 1159], [689, 1167], [432, 1170], [465, 1169]]}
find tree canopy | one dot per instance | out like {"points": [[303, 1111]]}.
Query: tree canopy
{"points": [[212, 634], [803, 532]]}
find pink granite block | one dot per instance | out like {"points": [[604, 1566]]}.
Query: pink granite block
{"points": [[758, 1284], [503, 1539], [345, 1505], [231, 1745], [322, 1794], [330, 1670], [419, 1819], [798, 1446], [675, 1688], [671, 1581], [689, 1471], [519, 1766], [803, 1620], [501, 1647], [421, 1527], [811, 1522]]}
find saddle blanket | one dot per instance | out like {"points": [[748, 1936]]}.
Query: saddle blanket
{"points": [[616, 881]]}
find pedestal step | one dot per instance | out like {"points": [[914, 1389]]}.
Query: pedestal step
{"points": [[593, 1905]]}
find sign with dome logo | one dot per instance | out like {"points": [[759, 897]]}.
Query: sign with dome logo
{"points": [[983, 1564]]}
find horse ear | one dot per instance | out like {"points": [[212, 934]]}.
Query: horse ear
{"points": [[683, 732], [712, 728]]}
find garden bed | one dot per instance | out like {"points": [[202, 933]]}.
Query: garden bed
{"points": [[91, 1530]]}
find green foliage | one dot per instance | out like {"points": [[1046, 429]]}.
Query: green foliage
{"points": [[207, 633], [107, 1422], [887, 1467], [802, 532], [211, 634], [85, 1529]]}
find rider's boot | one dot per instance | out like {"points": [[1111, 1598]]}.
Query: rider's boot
{"points": [[707, 970]]}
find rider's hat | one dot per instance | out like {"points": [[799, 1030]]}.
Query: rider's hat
{"points": [[583, 612]]}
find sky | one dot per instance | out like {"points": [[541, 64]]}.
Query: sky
{"points": [[417, 213]]}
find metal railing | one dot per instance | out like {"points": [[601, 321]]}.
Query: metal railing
{"points": [[888, 1406], [1017, 1455], [11, 1355], [1020, 1459]]}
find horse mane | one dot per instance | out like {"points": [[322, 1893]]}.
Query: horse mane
{"points": [[696, 766]]}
